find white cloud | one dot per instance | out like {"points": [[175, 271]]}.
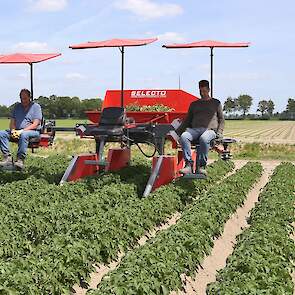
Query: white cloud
{"points": [[31, 47], [147, 9], [171, 37], [48, 5], [75, 76]]}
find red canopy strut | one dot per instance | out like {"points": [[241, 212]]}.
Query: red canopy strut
{"points": [[121, 44], [210, 44], [27, 58]]}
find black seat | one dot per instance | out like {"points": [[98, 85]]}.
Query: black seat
{"points": [[111, 123]]}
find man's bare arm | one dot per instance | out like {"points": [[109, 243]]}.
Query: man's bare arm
{"points": [[12, 124], [33, 126]]}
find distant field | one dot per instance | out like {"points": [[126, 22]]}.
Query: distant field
{"points": [[261, 131], [244, 130]]}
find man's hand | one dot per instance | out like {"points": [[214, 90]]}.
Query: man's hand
{"points": [[15, 134], [219, 136]]}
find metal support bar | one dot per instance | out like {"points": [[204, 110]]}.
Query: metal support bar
{"points": [[211, 78], [70, 168], [32, 87], [64, 129], [122, 49], [101, 159], [153, 177]]}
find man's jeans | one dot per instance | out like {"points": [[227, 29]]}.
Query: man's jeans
{"points": [[22, 143], [204, 137]]}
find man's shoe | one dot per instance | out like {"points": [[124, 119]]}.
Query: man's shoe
{"points": [[19, 164], [202, 170], [188, 169], [7, 161]]}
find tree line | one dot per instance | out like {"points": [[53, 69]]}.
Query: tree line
{"points": [[235, 108], [54, 107], [239, 108]]}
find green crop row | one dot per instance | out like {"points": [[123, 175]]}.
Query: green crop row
{"points": [[156, 267], [262, 260], [52, 235], [50, 169]]}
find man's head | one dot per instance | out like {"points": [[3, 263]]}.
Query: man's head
{"points": [[204, 88], [25, 97]]}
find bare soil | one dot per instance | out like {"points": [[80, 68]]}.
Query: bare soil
{"points": [[224, 245], [101, 270]]}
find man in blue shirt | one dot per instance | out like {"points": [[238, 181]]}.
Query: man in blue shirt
{"points": [[25, 123]]}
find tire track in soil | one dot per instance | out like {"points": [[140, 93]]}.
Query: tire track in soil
{"points": [[224, 245], [101, 270]]}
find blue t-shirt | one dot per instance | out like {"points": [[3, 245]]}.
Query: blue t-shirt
{"points": [[24, 118]]}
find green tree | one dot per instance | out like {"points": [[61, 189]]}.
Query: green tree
{"points": [[270, 107], [67, 107], [4, 111], [262, 107], [244, 103], [229, 105], [291, 106], [90, 104]]}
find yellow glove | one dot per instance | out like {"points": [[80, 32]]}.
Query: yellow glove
{"points": [[15, 134]]}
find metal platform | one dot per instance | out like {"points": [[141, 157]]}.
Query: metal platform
{"points": [[10, 168], [194, 176]]}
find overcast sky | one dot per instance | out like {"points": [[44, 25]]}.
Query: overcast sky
{"points": [[265, 70]]}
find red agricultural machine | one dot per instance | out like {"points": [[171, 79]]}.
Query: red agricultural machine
{"points": [[114, 124], [128, 128]]}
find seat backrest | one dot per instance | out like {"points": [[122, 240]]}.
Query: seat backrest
{"points": [[42, 125], [113, 116]]}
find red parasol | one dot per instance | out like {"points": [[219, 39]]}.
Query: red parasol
{"points": [[210, 44], [121, 44], [27, 58]]}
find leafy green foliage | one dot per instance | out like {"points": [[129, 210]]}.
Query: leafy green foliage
{"points": [[50, 169], [51, 236], [156, 267], [262, 260], [148, 108]]}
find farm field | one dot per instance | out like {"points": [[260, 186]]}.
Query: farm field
{"points": [[246, 131], [278, 132], [99, 235], [232, 233]]}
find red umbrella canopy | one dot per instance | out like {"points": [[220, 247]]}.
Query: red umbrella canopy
{"points": [[208, 43], [114, 43], [121, 43], [26, 58]]}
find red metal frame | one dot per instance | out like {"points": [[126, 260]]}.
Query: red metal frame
{"points": [[168, 171], [118, 159], [178, 100], [79, 169]]}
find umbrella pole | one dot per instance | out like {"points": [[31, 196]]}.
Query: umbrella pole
{"points": [[122, 49], [32, 94], [211, 82]]}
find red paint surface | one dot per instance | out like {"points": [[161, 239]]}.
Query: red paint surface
{"points": [[114, 43], [81, 170], [118, 159], [178, 100], [167, 171], [18, 58]]}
